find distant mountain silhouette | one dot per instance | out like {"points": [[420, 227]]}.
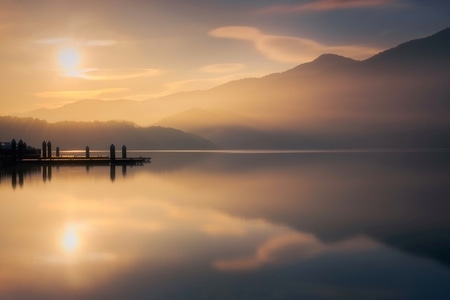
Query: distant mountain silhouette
{"points": [[98, 135], [429, 52], [196, 118], [324, 63], [92, 110], [397, 98]]}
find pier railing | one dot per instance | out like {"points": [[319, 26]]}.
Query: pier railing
{"points": [[13, 153]]}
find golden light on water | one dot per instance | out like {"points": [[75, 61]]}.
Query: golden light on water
{"points": [[70, 240]]}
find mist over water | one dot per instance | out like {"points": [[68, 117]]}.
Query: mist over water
{"points": [[230, 225]]}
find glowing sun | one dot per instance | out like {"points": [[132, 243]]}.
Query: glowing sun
{"points": [[69, 59]]}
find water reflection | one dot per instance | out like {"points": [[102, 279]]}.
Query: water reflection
{"points": [[70, 239], [17, 173], [232, 226]]}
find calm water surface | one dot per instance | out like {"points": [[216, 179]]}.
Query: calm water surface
{"points": [[230, 226]]}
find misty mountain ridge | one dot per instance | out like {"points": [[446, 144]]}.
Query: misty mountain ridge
{"points": [[397, 98], [325, 62], [70, 135], [431, 52]]}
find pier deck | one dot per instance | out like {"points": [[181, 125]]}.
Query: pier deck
{"points": [[103, 160]]}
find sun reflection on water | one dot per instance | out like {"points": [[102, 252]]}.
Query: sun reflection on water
{"points": [[70, 241]]}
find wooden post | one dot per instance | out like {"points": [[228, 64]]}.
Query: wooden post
{"points": [[124, 151], [21, 148], [112, 153], [14, 149], [44, 149], [49, 150]]}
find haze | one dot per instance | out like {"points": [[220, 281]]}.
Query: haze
{"points": [[116, 60], [56, 52]]}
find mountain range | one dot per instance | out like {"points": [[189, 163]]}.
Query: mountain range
{"points": [[71, 135], [397, 98]]}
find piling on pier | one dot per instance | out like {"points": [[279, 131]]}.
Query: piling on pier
{"points": [[124, 151], [112, 153], [20, 147], [49, 149], [13, 152], [44, 149], [14, 149], [20, 153]]}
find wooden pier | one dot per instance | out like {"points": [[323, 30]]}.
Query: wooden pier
{"points": [[20, 154], [103, 160]]}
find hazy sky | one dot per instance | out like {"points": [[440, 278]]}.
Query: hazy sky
{"points": [[54, 52]]}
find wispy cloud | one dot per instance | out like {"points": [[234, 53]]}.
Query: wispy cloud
{"points": [[92, 73], [114, 74], [222, 68], [289, 49], [205, 83], [80, 94], [322, 5], [69, 40], [100, 43], [53, 41], [288, 247], [306, 246]]}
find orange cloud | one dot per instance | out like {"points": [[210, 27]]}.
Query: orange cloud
{"points": [[293, 246], [54, 41], [323, 5], [80, 94], [205, 83], [114, 74], [289, 49], [100, 42], [305, 245], [222, 68], [67, 40]]}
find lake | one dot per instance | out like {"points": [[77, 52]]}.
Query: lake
{"points": [[230, 225]]}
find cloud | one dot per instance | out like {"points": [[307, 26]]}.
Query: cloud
{"points": [[113, 74], [80, 94], [306, 246], [68, 40], [54, 41], [244, 33], [96, 73], [289, 49], [295, 246], [223, 225], [222, 68], [322, 5], [205, 83], [100, 42]]}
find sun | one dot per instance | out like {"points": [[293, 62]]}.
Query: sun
{"points": [[70, 239], [69, 60]]}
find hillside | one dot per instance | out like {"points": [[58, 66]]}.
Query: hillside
{"points": [[98, 135]]}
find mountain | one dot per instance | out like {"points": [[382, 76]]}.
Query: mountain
{"points": [[196, 119], [92, 110], [97, 135], [324, 63], [430, 52], [397, 98]]}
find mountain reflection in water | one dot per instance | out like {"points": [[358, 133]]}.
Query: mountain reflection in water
{"points": [[230, 226]]}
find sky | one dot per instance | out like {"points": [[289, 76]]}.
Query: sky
{"points": [[54, 52]]}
